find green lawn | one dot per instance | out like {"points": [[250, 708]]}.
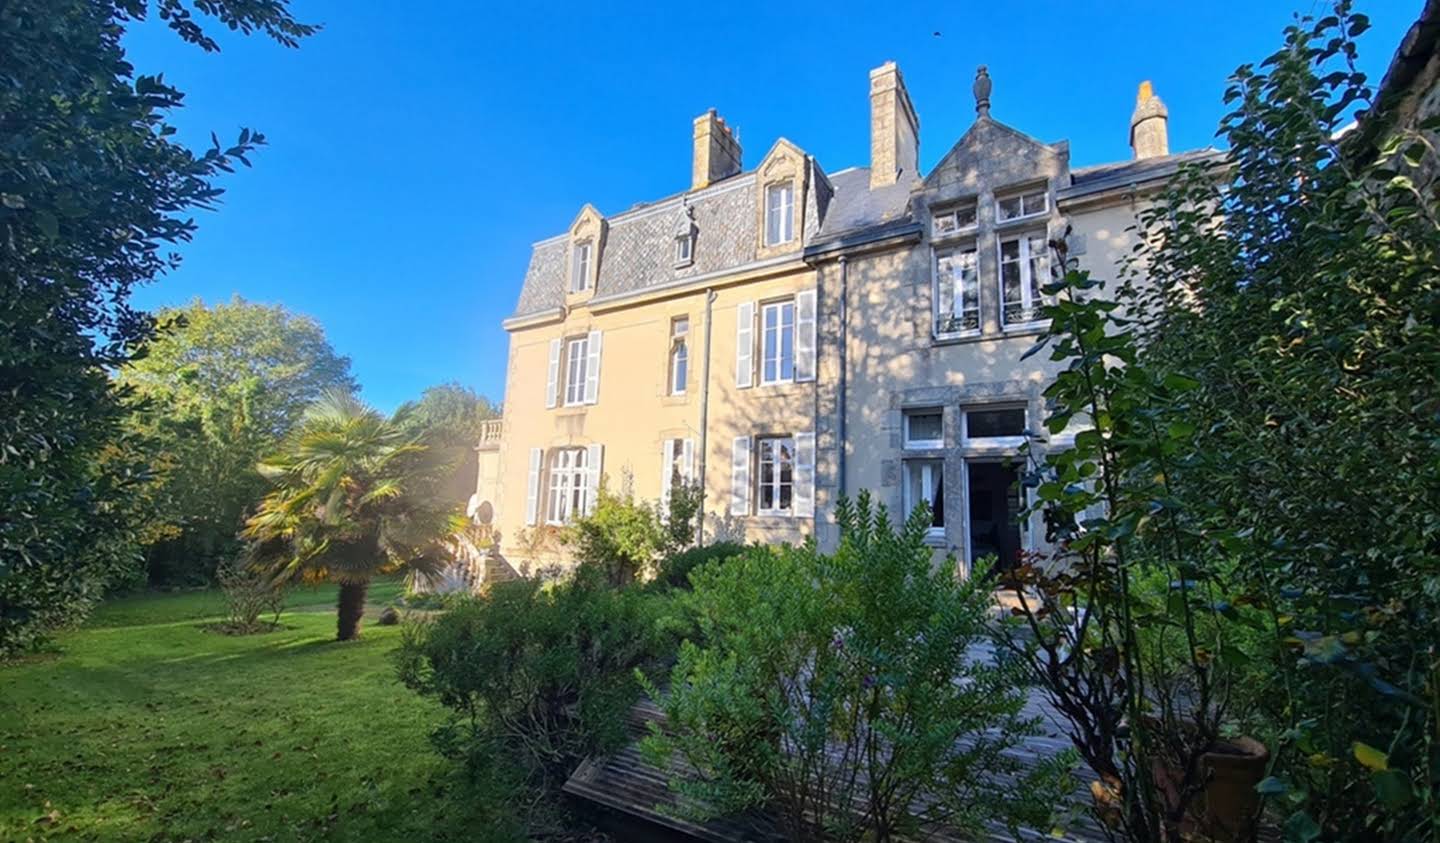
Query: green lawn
{"points": [[147, 727]]}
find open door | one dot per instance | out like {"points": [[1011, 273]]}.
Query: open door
{"points": [[994, 503]]}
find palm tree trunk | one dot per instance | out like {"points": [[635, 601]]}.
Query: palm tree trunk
{"points": [[350, 608]]}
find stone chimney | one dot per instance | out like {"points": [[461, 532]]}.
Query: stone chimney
{"points": [[1149, 136], [717, 151], [894, 128]]}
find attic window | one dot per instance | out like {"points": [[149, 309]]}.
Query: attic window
{"points": [[953, 220], [580, 270], [685, 236]]}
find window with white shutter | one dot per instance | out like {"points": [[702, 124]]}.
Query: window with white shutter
{"points": [[592, 368], [532, 489], [594, 454], [805, 336], [804, 495], [740, 476], [552, 381], [744, 344]]}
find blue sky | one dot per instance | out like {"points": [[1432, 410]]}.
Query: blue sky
{"points": [[418, 149]]}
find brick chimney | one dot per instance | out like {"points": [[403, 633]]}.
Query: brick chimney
{"points": [[1149, 134], [717, 152], [894, 128]]}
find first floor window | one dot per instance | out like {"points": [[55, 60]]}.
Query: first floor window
{"points": [[1023, 267], [925, 483], [569, 485], [957, 292], [778, 342], [576, 354], [679, 355], [779, 213], [776, 475]]}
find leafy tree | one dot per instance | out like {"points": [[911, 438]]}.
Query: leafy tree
{"points": [[450, 417], [850, 694], [344, 505], [215, 390], [93, 187]]}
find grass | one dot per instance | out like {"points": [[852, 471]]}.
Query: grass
{"points": [[147, 727]]}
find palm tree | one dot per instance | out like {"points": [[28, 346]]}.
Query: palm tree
{"points": [[353, 498]]}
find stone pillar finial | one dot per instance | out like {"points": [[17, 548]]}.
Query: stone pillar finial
{"points": [[982, 91], [1149, 124]]}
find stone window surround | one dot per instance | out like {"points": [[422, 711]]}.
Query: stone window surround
{"points": [[953, 400], [986, 236], [784, 162]]}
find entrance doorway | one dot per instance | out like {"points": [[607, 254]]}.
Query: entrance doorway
{"points": [[995, 501]]}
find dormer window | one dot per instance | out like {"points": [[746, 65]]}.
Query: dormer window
{"points": [[684, 245], [1019, 206], [580, 268], [684, 232], [955, 220], [779, 213]]}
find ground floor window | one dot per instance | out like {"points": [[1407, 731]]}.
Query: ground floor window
{"points": [[925, 483], [776, 486], [569, 485]]}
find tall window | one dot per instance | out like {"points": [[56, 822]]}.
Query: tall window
{"points": [[776, 475], [1021, 205], [569, 485], [576, 353], [777, 357], [779, 213], [684, 243], [1023, 268], [679, 355], [957, 292], [925, 483], [580, 271]]}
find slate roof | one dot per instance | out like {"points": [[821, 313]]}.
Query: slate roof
{"points": [[1085, 181], [841, 210]]}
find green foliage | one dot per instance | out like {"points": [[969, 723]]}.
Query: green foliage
{"points": [[345, 506], [93, 189], [846, 693], [449, 417], [621, 536], [214, 391], [675, 569], [1316, 349], [536, 676]]}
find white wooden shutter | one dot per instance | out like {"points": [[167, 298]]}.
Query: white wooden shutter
{"points": [[805, 475], [744, 344], [805, 336], [592, 367], [687, 461], [532, 488], [593, 455], [667, 447], [552, 381], [740, 476]]}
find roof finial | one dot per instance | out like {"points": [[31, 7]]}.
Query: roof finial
{"points": [[982, 91]]}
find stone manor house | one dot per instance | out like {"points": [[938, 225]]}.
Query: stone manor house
{"points": [[782, 335]]}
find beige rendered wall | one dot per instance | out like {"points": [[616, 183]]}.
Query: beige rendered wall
{"points": [[633, 414]]}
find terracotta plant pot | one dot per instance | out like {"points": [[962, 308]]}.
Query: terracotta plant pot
{"points": [[1227, 810]]}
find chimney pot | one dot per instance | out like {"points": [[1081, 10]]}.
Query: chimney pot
{"points": [[716, 151]]}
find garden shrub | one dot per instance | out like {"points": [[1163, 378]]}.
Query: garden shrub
{"points": [[248, 595], [844, 692], [675, 569], [537, 676]]}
